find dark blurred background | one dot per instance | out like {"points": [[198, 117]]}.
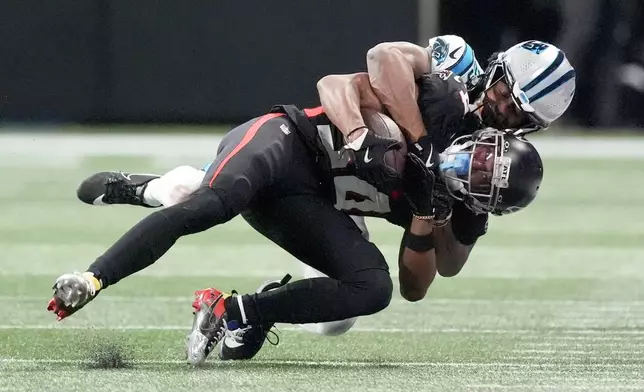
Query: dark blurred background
{"points": [[162, 61]]}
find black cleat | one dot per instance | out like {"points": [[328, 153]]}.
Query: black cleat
{"points": [[244, 343], [114, 188]]}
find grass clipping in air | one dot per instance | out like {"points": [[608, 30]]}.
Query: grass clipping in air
{"points": [[107, 351]]}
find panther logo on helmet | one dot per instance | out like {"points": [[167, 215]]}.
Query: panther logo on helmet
{"points": [[440, 50]]}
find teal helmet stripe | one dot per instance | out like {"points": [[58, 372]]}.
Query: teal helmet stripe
{"points": [[563, 79], [465, 62], [546, 72]]}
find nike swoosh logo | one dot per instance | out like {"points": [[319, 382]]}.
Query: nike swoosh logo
{"points": [[232, 343], [127, 177], [99, 201], [366, 157], [452, 54], [429, 162]]}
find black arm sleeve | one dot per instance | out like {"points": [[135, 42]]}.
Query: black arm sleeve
{"points": [[467, 226], [149, 239], [442, 102]]}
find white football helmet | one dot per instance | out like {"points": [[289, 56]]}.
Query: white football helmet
{"points": [[540, 77]]}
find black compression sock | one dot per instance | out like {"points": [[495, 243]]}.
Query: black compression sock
{"points": [[232, 308], [247, 315]]}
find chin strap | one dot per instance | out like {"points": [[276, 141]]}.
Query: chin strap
{"points": [[527, 131]]}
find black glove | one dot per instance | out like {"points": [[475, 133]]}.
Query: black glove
{"points": [[442, 101], [424, 149], [418, 183], [368, 155], [442, 200], [443, 203]]}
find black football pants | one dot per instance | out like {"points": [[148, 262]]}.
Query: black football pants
{"points": [[265, 172], [271, 180]]}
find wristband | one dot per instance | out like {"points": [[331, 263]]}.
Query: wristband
{"points": [[357, 129], [348, 137], [419, 243], [423, 217], [442, 222]]}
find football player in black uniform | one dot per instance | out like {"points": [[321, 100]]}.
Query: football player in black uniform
{"points": [[283, 174]]}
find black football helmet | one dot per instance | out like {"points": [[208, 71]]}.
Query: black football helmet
{"points": [[492, 171]]}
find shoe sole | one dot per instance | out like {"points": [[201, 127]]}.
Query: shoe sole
{"points": [[198, 339], [198, 342], [65, 288]]}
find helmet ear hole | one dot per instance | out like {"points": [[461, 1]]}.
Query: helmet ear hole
{"points": [[525, 176]]}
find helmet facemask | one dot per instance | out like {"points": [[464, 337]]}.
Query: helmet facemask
{"points": [[475, 169]]}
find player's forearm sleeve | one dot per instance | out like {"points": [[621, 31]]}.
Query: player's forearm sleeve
{"points": [[149, 239]]}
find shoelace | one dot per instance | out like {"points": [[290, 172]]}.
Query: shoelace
{"points": [[115, 189], [219, 333], [238, 333], [273, 333], [212, 342], [241, 334]]}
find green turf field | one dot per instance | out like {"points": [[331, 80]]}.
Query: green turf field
{"points": [[551, 299]]}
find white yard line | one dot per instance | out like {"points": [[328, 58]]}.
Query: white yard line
{"points": [[599, 342], [561, 387], [584, 338], [572, 352], [539, 333], [550, 352], [590, 359], [348, 364]]}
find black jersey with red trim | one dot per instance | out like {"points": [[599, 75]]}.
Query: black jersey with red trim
{"points": [[354, 195]]}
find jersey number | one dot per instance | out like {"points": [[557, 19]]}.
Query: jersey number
{"points": [[352, 193]]}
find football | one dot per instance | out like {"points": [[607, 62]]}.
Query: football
{"points": [[383, 125]]}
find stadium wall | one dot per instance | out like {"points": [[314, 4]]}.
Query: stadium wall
{"points": [[168, 61]]}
